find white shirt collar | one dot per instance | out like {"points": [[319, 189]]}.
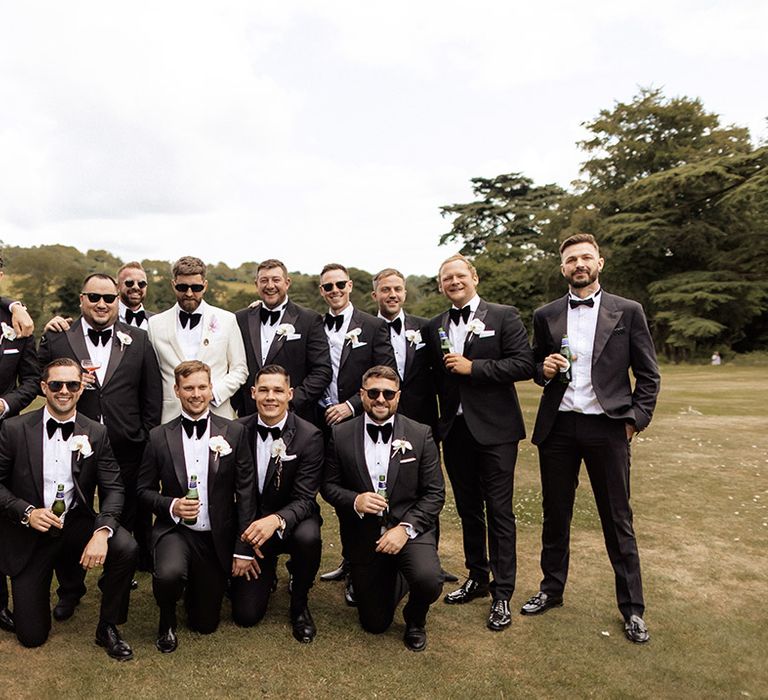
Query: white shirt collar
{"points": [[473, 303]]}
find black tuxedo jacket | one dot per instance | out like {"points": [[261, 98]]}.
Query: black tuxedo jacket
{"points": [[415, 487], [417, 398], [306, 359], [163, 477], [21, 483], [290, 486], [19, 370], [622, 342], [487, 396], [130, 400], [356, 361]]}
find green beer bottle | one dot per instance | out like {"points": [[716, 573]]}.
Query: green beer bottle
{"points": [[445, 341], [565, 350], [58, 509], [192, 495]]}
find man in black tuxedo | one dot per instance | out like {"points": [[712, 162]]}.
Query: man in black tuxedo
{"points": [[591, 416], [357, 341], [480, 426], [132, 287], [288, 455], [19, 381], [124, 393], [278, 331], [382, 474], [196, 541], [57, 449]]}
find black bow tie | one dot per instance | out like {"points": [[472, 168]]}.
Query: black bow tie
{"points": [[52, 425], [396, 325], [334, 322], [99, 336], [460, 314], [581, 302], [135, 316], [265, 432], [190, 426], [375, 430], [186, 317], [268, 316]]}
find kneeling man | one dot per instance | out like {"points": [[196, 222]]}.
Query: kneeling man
{"points": [[55, 458], [288, 455], [382, 474], [196, 537]]}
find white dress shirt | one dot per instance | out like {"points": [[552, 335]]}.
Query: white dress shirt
{"points": [[457, 333], [196, 455], [190, 339], [582, 322], [268, 331], [264, 451], [100, 353], [336, 342], [398, 343], [57, 464]]}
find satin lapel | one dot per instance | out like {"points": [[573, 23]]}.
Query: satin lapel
{"points": [[34, 439], [289, 316], [394, 459], [354, 322], [288, 434], [117, 352], [76, 340], [214, 460], [482, 310], [254, 333], [77, 461], [176, 449], [607, 318], [410, 348], [359, 457], [558, 325]]}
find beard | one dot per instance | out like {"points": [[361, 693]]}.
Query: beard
{"points": [[582, 282]]}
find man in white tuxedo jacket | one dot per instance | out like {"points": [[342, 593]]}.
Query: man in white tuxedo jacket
{"points": [[194, 330]]}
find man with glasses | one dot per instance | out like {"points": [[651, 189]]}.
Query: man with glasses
{"points": [[357, 341], [382, 474], [123, 392], [132, 286], [57, 450], [194, 330], [276, 330]]}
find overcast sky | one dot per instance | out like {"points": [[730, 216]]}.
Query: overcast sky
{"points": [[329, 130]]}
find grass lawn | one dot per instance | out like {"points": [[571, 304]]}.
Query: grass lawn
{"points": [[700, 496]]}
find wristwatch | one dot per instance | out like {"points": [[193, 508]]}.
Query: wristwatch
{"points": [[281, 519], [27, 512]]}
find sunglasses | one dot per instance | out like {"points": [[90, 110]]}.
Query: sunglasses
{"points": [[140, 284], [373, 394], [184, 288], [96, 298], [328, 286], [57, 385]]}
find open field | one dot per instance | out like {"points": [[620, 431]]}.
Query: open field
{"points": [[700, 495]]}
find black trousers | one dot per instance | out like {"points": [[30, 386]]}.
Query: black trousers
{"points": [[482, 477], [304, 545], [381, 583], [186, 564], [602, 443], [31, 587]]}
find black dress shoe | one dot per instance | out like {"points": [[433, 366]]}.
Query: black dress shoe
{"points": [[469, 590], [448, 578], [167, 641], [636, 631], [499, 617], [540, 603], [6, 620], [303, 625], [337, 574], [108, 637], [65, 609], [415, 637], [349, 593]]}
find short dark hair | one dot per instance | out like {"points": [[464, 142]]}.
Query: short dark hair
{"points": [[188, 265], [99, 276], [579, 238], [60, 362], [184, 369], [383, 372], [386, 272], [269, 264], [272, 369], [334, 266]]}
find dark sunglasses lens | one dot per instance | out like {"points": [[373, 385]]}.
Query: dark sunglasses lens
{"points": [[184, 288], [341, 284], [373, 394], [328, 286], [96, 298], [140, 284], [56, 386]]}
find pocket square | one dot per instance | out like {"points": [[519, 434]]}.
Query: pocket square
{"points": [[420, 346], [486, 334], [410, 459], [293, 336], [618, 331], [11, 351], [358, 345]]}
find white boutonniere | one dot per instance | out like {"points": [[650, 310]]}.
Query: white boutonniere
{"points": [[8, 332], [413, 337], [124, 339], [219, 446], [401, 446], [280, 452], [82, 445], [353, 337], [284, 330], [475, 326]]}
